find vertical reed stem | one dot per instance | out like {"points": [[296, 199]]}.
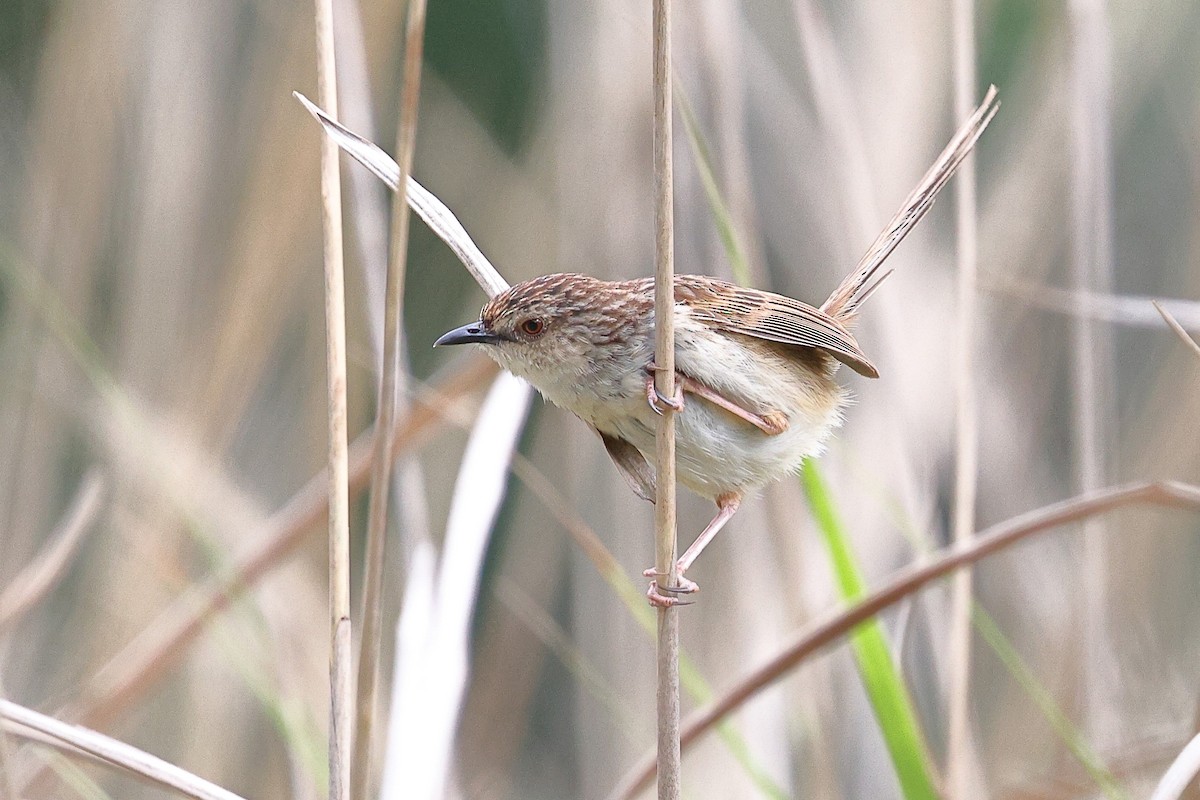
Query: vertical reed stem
{"points": [[1091, 345], [381, 473], [664, 355], [959, 752], [340, 665]]}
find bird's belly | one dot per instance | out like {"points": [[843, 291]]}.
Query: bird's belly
{"points": [[717, 453]]}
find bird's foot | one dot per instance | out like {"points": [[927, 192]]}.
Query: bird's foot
{"points": [[656, 399], [655, 592]]}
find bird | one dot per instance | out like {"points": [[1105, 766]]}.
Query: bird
{"points": [[756, 389]]}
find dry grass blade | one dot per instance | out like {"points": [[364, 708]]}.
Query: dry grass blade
{"points": [[1170, 320], [988, 542], [75, 738], [857, 286], [40, 576], [433, 211], [148, 658], [393, 329], [1180, 774]]}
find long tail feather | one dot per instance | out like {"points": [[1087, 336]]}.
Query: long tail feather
{"points": [[857, 286]]}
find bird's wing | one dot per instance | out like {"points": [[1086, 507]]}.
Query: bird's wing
{"points": [[772, 317], [632, 465]]}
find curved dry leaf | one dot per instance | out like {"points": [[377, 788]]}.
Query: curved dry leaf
{"points": [[433, 211]]}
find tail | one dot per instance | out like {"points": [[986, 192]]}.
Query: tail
{"points": [[862, 282]]}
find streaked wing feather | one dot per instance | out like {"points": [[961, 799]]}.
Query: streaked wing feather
{"points": [[771, 317]]}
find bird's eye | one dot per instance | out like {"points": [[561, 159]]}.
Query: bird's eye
{"points": [[533, 327]]}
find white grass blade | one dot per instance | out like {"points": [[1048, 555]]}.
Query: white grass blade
{"points": [[1182, 771], [406, 764], [434, 632], [433, 211], [110, 751]]}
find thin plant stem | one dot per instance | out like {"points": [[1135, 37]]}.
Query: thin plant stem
{"points": [[1174, 325], [73, 738], [664, 354], [959, 754], [1091, 345], [1168, 494], [341, 690], [37, 579], [393, 329]]}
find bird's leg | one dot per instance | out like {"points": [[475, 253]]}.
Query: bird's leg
{"points": [[772, 423], [655, 398], [727, 506]]}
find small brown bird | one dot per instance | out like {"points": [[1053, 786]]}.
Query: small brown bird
{"points": [[755, 370]]}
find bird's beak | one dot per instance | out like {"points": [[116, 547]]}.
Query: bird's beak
{"points": [[475, 332]]}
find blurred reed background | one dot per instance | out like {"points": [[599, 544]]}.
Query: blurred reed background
{"points": [[161, 328]]}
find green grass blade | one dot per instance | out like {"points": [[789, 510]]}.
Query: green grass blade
{"points": [[885, 688]]}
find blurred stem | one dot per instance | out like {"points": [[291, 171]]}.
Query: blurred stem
{"points": [[143, 662], [716, 202], [1075, 741], [959, 755], [1092, 367], [340, 656], [42, 574], [664, 355], [393, 330], [72, 775]]}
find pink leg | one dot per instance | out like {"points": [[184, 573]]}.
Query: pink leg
{"points": [[727, 506], [771, 424]]}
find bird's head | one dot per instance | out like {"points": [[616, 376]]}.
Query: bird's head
{"points": [[558, 328]]}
